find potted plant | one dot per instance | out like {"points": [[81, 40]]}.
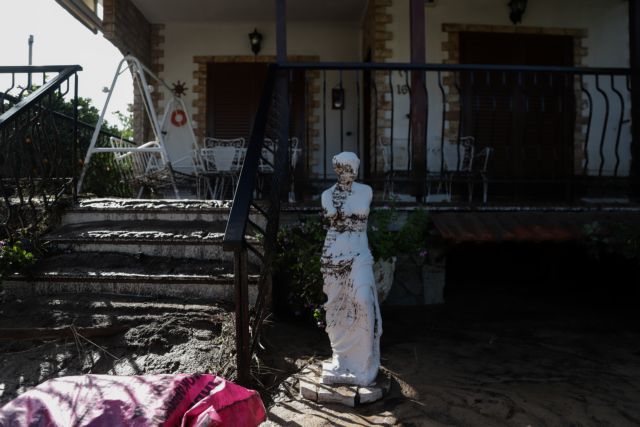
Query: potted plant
{"points": [[387, 239], [299, 248]]}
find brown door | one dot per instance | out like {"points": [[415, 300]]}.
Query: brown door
{"points": [[233, 95], [527, 118]]}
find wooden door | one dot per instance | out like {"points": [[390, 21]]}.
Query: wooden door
{"points": [[233, 96], [527, 118]]}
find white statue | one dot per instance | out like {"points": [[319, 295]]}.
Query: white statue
{"points": [[353, 317]]}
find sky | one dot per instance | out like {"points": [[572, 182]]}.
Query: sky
{"points": [[59, 39]]}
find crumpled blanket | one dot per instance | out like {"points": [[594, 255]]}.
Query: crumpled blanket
{"points": [[184, 400]]}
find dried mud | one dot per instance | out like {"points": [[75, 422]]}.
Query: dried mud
{"points": [[161, 336], [462, 366]]}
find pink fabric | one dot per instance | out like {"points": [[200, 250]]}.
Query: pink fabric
{"points": [[185, 400]]}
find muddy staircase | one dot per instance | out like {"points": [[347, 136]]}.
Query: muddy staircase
{"points": [[142, 247]]}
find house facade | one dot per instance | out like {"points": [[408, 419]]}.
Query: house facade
{"points": [[539, 125]]}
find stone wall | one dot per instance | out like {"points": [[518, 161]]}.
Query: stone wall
{"points": [[127, 28], [376, 46]]}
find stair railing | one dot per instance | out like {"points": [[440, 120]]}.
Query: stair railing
{"points": [[38, 150], [255, 211]]}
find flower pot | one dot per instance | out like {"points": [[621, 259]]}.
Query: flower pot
{"points": [[383, 272]]}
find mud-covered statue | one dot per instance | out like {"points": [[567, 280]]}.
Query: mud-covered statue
{"points": [[352, 312]]}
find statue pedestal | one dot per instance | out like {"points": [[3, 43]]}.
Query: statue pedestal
{"points": [[312, 388]]}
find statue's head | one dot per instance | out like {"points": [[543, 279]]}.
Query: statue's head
{"points": [[346, 165]]}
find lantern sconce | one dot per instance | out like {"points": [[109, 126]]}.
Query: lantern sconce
{"points": [[337, 98], [255, 38], [517, 8]]}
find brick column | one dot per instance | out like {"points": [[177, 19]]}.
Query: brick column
{"points": [[376, 39], [128, 30]]}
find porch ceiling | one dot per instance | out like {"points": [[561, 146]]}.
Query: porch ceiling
{"points": [[161, 11]]}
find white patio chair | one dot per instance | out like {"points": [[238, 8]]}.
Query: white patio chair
{"points": [[222, 161], [401, 162], [472, 164]]}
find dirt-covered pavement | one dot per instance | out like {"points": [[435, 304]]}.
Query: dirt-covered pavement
{"points": [[464, 364], [477, 365], [108, 334]]}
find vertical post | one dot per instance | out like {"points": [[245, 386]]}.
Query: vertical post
{"points": [[30, 41], [243, 357], [282, 98], [418, 100], [634, 63], [74, 148], [30, 49], [281, 31]]}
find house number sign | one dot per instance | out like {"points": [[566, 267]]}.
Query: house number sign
{"points": [[402, 89]]}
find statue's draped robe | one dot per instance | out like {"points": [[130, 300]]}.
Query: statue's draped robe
{"points": [[353, 317]]}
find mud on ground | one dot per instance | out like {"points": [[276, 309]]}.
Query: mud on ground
{"points": [[157, 336], [457, 365], [469, 365]]}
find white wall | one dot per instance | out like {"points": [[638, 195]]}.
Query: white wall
{"points": [[329, 41], [607, 44], [605, 20]]}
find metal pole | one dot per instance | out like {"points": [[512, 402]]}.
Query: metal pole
{"points": [[418, 100], [30, 56], [281, 31], [634, 62], [74, 156], [30, 49], [243, 356]]}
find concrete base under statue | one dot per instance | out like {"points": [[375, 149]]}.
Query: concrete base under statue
{"points": [[312, 388]]}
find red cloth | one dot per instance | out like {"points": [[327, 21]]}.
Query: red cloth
{"points": [[184, 400]]}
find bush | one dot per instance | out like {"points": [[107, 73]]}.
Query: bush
{"points": [[14, 259], [299, 249], [612, 238]]}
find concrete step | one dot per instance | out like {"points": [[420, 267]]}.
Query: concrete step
{"points": [[176, 239], [117, 273], [113, 209]]}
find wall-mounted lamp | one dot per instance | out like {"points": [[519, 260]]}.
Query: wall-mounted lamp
{"points": [[517, 8], [337, 98], [255, 38]]}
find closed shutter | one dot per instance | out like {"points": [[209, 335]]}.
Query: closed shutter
{"points": [[526, 118], [233, 94]]}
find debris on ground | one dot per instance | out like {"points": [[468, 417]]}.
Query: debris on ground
{"points": [[109, 334]]}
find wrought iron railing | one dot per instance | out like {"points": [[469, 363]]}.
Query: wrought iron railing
{"points": [[254, 218], [38, 147], [535, 134], [565, 130]]}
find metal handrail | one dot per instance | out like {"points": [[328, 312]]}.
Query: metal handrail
{"points": [[35, 68], [402, 66], [33, 98], [92, 127], [237, 222], [33, 151]]}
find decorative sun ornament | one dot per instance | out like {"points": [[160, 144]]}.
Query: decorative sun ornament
{"points": [[179, 88]]}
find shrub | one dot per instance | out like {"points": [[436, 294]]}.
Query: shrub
{"points": [[299, 249], [612, 238], [14, 259]]}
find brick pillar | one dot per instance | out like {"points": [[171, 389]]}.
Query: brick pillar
{"points": [[376, 40], [128, 29]]}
